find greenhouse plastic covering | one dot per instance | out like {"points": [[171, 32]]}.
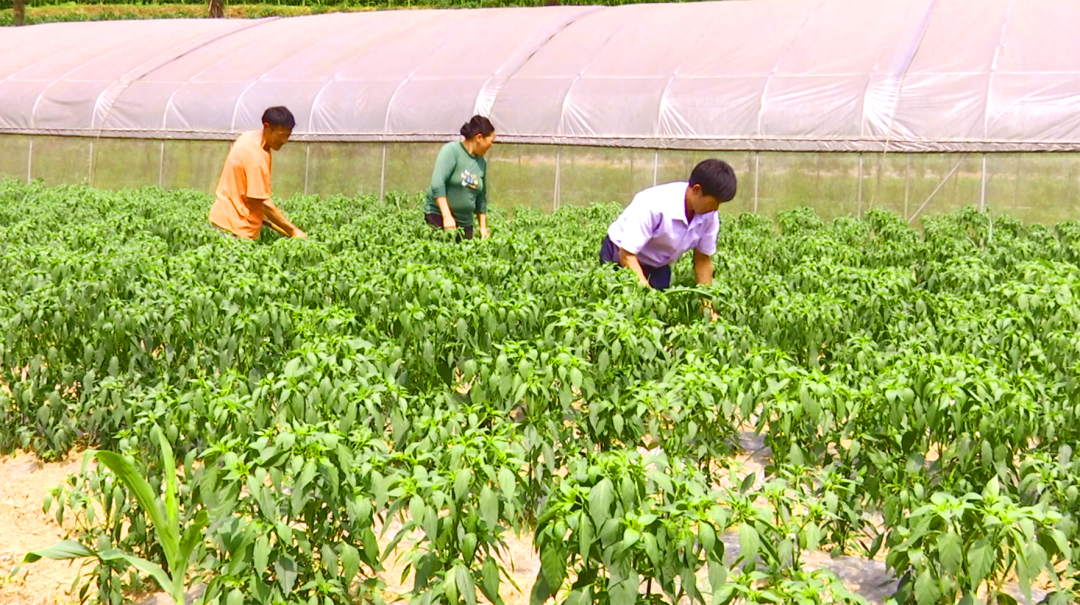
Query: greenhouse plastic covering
{"points": [[768, 75]]}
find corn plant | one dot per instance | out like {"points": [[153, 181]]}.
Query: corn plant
{"points": [[178, 543]]}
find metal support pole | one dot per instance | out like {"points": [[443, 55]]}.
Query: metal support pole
{"points": [[558, 178], [307, 165], [817, 181], [90, 165], [161, 165], [877, 182], [982, 202], [382, 175], [30, 161], [982, 192], [656, 167], [1016, 188], [907, 186], [757, 178], [858, 207], [944, 180]]}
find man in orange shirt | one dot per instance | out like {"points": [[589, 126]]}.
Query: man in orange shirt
{"points": [[243, 193]]}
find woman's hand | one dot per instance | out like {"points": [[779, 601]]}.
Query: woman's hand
{"points": [[448, 221], [484, 233]]}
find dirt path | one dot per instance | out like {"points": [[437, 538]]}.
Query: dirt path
{"points": [[24, 483]]}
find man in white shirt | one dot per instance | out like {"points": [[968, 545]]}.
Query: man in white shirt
{"points": [[665, 221]]}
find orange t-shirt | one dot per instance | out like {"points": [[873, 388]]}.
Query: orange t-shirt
{"points": [[244, 186]]}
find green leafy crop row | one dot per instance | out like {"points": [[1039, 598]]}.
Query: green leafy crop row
{"points": [[319, 404]]}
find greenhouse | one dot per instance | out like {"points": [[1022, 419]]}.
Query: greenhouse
{"points": [[843, 105], [861, 389]]}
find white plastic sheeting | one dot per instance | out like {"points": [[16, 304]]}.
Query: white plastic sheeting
{"points": [[778, 75]]}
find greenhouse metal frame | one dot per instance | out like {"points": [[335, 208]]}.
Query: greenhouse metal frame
{"points": [[914, 105]]}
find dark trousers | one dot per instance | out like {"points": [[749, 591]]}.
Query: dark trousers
{"points": [[659, 277], [435, 220]]}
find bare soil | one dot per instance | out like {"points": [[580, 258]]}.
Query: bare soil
{"points": [[25, 481]]}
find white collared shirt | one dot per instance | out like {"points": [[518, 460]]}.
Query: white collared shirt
{"points": [[654, 226]]}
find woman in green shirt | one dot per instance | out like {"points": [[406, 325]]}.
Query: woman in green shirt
{"points": [[458, 190]]}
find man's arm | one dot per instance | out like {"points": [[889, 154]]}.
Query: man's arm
{"points": [[703, 272], [279, 222], [630, 261], [275, 228], [255, 192], [272, 225], [631, 232], [703, 269]]}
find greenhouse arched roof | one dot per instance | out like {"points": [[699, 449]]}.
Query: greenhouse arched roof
{"points": [[781, 75]]}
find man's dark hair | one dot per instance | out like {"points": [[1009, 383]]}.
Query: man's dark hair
{"points": [[716, 178], [477, 125], [279, 116]]}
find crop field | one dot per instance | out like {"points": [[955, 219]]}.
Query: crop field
{"points": [[279, 421]]}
